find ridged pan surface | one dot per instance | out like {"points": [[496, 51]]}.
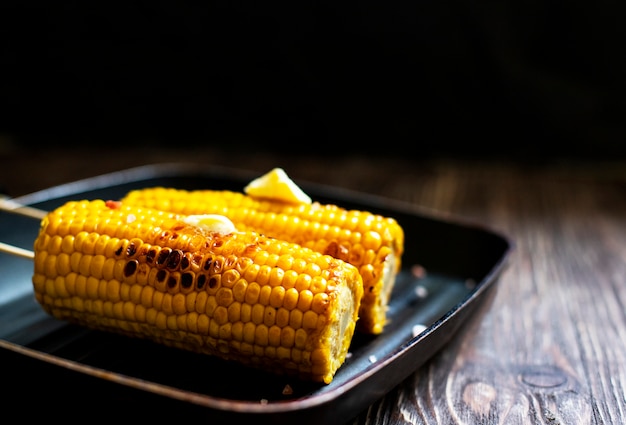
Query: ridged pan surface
{"points": [[460, 264]]}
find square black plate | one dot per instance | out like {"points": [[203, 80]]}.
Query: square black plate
{"points": [[64, 367]]}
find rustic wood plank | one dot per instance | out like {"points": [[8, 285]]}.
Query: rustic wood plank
{"points": [[551, 348]]}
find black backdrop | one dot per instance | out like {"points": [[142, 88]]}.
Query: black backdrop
{"points": [[443, 77]]}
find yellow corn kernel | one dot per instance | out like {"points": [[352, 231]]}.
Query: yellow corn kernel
{"points": [[63, 264], [290, 301], [269, 315], [369, 241], [246, 313], [234, 312], [220, 316], [243, 296]]}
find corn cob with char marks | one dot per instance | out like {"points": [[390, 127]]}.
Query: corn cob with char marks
{"points": [[166, 277], [372, 243]]}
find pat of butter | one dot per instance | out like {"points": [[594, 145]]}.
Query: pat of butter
{"points": [[213, 223], [276, 185]]}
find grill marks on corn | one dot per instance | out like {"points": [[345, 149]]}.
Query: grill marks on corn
{"points": [[368, 241], [243, 296]]}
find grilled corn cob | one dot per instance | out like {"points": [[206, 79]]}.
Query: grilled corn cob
{"points": [[209, 289], [371, 242]]}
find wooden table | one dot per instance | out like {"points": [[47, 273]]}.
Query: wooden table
{"points": [[551, 349]]}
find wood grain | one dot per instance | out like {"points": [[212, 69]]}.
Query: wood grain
{"points": [[550, 349]]}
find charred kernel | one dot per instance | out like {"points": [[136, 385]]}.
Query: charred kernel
{"points": [[130, 268], [163, 256], [173, 260], [151, 255], [213, 282], [196, 260], [163, 236], [143, 272], [332, 249], [216, 266], [185, 262], [186, 280], [207, 263], [131, 249], [142, 251], [161, 275], [201, 281], [172, 282]]}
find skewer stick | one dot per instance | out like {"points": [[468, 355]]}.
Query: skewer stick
{"points": [[13, 207], [14, 250], [16, 208]]}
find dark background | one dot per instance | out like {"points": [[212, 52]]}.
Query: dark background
{"points": [[522, 79]]}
